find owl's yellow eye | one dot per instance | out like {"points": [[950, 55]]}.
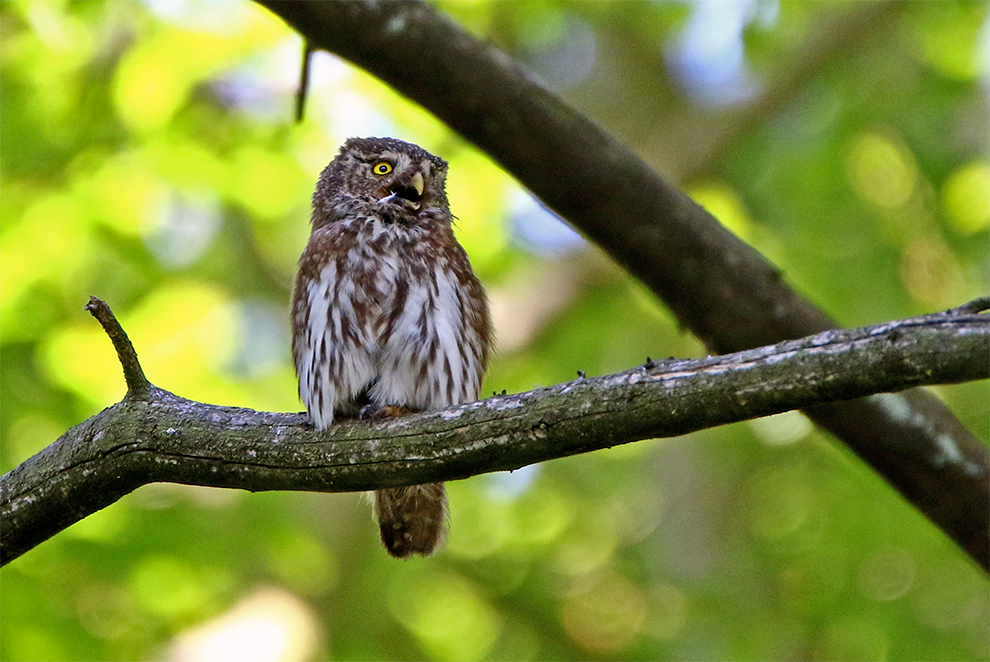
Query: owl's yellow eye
{"points": [[382, 168]]}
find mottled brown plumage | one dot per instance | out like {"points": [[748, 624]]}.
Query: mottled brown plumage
{"points": [[386, 310]]}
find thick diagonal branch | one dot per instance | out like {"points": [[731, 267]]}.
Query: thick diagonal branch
{"points": [[721, 289], [167, 438]]}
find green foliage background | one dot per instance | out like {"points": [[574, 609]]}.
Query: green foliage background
{"points": [[148, 158]]}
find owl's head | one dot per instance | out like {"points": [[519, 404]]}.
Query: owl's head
{"points": [[381, 176]]}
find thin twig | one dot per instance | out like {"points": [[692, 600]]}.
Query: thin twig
{"points": [[137, 384], [303, 81]]}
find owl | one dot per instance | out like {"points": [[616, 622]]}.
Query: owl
{"points": [[387, 315]]}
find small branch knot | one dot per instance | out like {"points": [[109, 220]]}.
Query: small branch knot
{"points": [[979, 305]]}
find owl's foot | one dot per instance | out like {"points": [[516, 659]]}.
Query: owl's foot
{"points": [[373, 412]]}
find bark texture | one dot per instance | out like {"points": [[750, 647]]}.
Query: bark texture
{"points": [[155, 436]]}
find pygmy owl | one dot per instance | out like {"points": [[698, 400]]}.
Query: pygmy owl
{"points": [[387, 314]]}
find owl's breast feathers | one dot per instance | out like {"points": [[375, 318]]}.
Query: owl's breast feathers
{"points": [[389, 312]]}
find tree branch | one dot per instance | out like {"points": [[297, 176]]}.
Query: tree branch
{"points": [[162, 437], [137, 384], [723, 290]]}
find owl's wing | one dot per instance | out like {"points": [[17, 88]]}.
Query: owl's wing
{"points": [[332, 362]]}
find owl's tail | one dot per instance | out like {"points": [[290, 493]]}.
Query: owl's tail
{"points": [[413, 520]]}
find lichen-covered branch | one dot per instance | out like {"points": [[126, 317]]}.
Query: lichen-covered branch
{"points": [[720, 288], [163, 437]]}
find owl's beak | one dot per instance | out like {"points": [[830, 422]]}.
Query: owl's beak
{"points": [[418, 183], [408, 192]]}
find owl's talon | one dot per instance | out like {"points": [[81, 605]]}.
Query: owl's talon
{"points": [[374, 412]]}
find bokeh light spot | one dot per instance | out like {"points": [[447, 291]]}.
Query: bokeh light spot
{"points": [[271, 625], [605, 613], [448, 616], [931, 273], [127, 191], [586, 547], [944, 38], [303, 562], [881, 170], [966, 197], [887, 574], [269, 184], [781, 502], [484, 525], [167, 586], [149, 87], [186, 226], [543, 517], [722, 202]]}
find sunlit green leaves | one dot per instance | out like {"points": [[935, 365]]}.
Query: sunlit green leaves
{"points": [[156, 76], [948, 38]]}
